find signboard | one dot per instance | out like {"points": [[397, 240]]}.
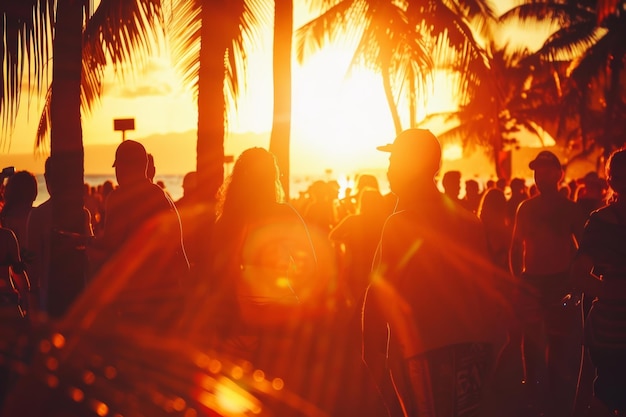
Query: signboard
{"points": [[123, 124]]}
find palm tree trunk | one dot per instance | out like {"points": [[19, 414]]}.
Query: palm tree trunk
{"points": [[67, 266], [390, 100], [281, 125], [412, 101], [211, 101]]}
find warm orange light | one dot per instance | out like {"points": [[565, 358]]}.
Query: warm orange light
{"points": [[452, 152], [231, 399]]}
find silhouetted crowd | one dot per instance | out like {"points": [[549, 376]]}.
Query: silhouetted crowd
{"points": [[444, 297]]}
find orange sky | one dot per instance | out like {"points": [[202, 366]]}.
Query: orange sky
{"points": [[336, 122]]}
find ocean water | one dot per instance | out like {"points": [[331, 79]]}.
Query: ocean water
{"points": [[174, 183]]}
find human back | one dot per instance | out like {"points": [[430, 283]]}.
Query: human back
{"points": [[548, 224], [261, 251], [448, 281], [431, 312], [138, 214]]}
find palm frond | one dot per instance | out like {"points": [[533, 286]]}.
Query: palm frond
{"points": [[184, 38], [571, 41], [123, 32], [549, 11], [243, 23], [311, 36], [255, 15], [43, 127], [26, 28]]}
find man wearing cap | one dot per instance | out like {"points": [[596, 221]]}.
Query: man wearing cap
{"points": [[140, 218], [546, 231], [431, 327]]}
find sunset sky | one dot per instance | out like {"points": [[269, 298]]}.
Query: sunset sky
{"points": [[336, 121]]}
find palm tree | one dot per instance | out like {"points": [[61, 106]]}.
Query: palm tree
{"points": [[79, 53], [398, 40], [513, 91], [209, 39], [591, 37]]}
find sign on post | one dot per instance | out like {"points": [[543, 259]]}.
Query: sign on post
{"points": [[124, 125]]}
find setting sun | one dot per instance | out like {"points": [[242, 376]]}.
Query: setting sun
{"points": [[339, 117]]}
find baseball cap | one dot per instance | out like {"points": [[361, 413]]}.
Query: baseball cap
{"points": [[413, 140], [545, 158], [130, 152], [413, 145]]}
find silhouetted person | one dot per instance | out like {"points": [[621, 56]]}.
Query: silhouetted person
{"points": [[138, 215], [600, 271], [18, 304], [190, 187], [429, 317], [519, 193], [501, 184], [471, 201], [547, 228], [256, 231], [262, 265], [493, 214], [19, 194], [499, 229], [39, 227], [451, 183], [319, 213], [358, 234], [590, 195], [151, 168]]}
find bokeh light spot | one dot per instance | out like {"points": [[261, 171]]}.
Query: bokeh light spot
{"points": [[76, 394], [278, 384], [237, 372], [89, 377], [58, 340], [215, 366]]}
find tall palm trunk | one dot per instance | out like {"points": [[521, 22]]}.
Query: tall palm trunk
{"points": [[211, 101], [393, 108], [67, 264], [412, 101], [281, 125]]}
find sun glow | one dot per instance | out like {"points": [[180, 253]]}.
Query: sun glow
{"points": [[452, 152], [338, 117]]}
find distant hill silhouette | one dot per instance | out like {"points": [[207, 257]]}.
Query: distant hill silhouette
{"points": [[174, 153]]}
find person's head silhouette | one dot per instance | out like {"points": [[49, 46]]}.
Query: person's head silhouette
{"points": [[414, 161], [616, 172], [151, 168], [452, 183], [548, 171], [131, 162]]}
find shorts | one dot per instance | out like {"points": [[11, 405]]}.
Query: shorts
{"points": [[449, 381]]}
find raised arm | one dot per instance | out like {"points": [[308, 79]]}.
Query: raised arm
{"points": [[18, 276]]}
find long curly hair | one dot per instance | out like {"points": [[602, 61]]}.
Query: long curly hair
{"points": [[253, 184]]}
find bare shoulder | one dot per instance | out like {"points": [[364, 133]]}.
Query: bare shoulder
{"points": [[398, 219], [529, 204], [606, 214], [287, 212]]}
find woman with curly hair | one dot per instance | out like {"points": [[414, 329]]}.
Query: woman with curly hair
{"points": [[261, 259]]}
